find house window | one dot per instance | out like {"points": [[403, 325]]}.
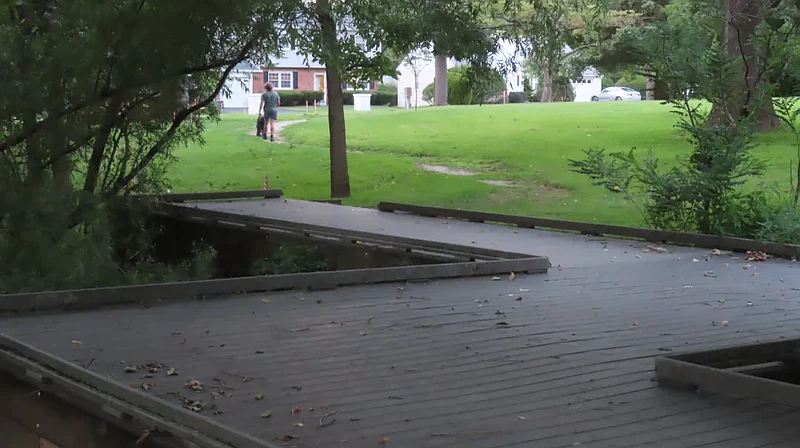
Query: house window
{"points": [[286, 81], [361, 43], [273, 77]]}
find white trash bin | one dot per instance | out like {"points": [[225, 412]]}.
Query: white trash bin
{"points": [[361, 101]]}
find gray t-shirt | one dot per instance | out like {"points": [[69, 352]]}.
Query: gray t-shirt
{"points": [[270, 100]]}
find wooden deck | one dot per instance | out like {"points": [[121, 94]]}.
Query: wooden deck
{"points": [[557, 360], [563, 249]]}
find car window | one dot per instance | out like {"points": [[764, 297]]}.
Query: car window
{"points": [[628, 89], [605, 90]]}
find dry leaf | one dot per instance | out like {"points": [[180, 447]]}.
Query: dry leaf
{"points": [[522, 418], [130, 369], [286, 437], [147, 386], [716, 252], [695, 260], [260, 396], [195, 406], [76, 342], [496, 279], [298, 424], [749, 303], [383, 440], [501, 323], [267, 414], [172, 371], [194, 385], [295, 409], [266, 301], [724, 323], [362, 333], [512, 276]]}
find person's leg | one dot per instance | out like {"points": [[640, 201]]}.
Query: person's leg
{"points": [[272, 117]]}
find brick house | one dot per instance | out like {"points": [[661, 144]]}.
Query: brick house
{"points": [[289, 72]]}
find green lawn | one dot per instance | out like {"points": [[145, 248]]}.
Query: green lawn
{"points": [[525, 145]]}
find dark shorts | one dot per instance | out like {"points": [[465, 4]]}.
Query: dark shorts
{"points": [[271, 115]]}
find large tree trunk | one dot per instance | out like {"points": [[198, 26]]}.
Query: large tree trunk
{"points": [[750, 97], [440, 79], [340, 178], [546, 91], [650, 85]]}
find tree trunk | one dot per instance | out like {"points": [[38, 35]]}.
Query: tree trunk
{"points": [[546, 95], [751, 99], [440, 79], [650, 85], [340, 178]]}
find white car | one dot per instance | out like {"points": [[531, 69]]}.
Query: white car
{"points": [[618, 94]]}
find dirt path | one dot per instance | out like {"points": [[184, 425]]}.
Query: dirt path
{"points": [[279, 125]]}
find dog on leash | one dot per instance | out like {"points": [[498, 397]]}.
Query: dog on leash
{"points": [[260, 126]]}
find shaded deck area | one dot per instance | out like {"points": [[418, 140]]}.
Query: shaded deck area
{"points": [[557, 360]]}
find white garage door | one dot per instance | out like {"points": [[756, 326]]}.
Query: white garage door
{"points": [[240, 85]]}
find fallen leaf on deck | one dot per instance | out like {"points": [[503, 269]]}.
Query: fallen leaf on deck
{"points": [[498, 312], [519, 298], [501, 324], [362, 333], [749, 303], [496, 279], [147, 386], [287, 437], [298, 424], [129, 369], [754, 255], [512, 276], [521, 417], [76, 342], [716, 252], [383, 440], [260, 396], [194, 385], [267, 414], [266, 301], [295, 409], [710, 274], [734, 258], [172, 371], [747, 266], [695, 260], [724, 323], [196, 406]]}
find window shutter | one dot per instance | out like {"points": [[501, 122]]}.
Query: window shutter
{"points": [[373, 85], [344, 86], [295, 84]]}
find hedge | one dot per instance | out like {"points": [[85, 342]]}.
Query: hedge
{"points": [[299, 97], [377, 98]]}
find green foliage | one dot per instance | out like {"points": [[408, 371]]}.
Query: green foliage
{"points": [[291, 98], [517, 97], [528, 89], [427, 93], [705, 191], [292, 259]]}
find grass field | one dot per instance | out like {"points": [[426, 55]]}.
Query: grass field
{"points": [[522, 148]]}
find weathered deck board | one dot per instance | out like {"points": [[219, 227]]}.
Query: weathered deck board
{"points": [[426, 365], [564, 249]]}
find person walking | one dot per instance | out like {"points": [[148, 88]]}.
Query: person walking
{"points": [[270, 100]]}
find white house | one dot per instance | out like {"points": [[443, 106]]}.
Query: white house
{"points": [[588, 85], [239, 88]]}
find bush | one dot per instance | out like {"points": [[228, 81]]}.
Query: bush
{"points": [[383, 98], [291, 98], [427, 93]]}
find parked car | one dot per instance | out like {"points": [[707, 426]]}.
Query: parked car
{"points": [[618, 94]]}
